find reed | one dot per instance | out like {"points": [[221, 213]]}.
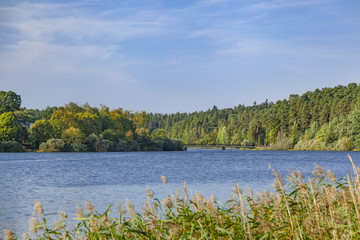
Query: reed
{"points": [[320, 207]]}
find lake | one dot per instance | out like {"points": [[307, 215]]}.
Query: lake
{"points": [[60, 181]]}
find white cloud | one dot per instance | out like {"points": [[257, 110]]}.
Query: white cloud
{"points": [[42, 22], [58, 45], [41, 63], [250, 46], [211, 2], [278, 4]]}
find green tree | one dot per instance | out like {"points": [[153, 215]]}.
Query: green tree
{"points": [[326, 134], [159, 133], [9, 101], [61, 120], [88, 123], [140, 118], [121, 121], [113, 135], [223, 136], [53, 145], [294, 134], [73, 135], [8, 127], [40, 132], [354, 127]]}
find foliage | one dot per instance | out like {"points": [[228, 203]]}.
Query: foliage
{"points": [[54, 145], [40, 131], [72, 135], [312, 145], [326, 119], [11, 146], [313, 121], [78, 147], [283, 144], [8, 128], [9, 101], [88, 123], [77, 128], [11, 127]]}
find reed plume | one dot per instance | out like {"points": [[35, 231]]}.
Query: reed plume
{"points": [[163, 178], [38, 209], [9, 234]]}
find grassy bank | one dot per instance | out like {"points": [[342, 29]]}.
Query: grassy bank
{"points": [[319, 207]]}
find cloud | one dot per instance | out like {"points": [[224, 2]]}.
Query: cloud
{"points": [[43, 64], [205, 3], [251, 47], [60, 50], [68, 39], [43, 22], [279, 4]]}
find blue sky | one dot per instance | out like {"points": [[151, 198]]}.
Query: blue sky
{"points": [[169, 56]]}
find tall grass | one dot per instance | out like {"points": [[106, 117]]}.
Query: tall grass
{"points": [[319, 207]]}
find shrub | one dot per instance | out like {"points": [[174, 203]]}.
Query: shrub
{"points": [[103, 145], [126, 146], [11, 146], [52, 145], [310, 145], [72, 135], [283, 144], [113, 135], [345, 144], [79, 147], [91, 142]]}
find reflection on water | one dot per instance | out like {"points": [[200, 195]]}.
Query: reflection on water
{"points": [[59, 181]]}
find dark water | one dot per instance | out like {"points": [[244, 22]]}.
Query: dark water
{"points": [[59, 181]]}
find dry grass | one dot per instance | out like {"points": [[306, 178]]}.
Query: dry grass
{"points": [[320, 207]]}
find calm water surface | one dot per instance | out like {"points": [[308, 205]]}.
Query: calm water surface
{"points": [[60, 181]]}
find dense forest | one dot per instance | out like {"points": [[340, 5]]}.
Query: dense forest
{"points": [[74, 128], [327, 119]]}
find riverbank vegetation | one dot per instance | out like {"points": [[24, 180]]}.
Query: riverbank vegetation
{"points": [[74, 128], [317, 207], [326, 119]]}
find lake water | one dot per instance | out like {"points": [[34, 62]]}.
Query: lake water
{"points": [[60, 181]]}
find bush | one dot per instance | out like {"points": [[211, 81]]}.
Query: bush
{"points": [[79, 147], [91, 142], [165, 144], [103, 145], [52, 145], [345, 144], [11, 146], [179, 145], [310, 145], [283, 144], [72, 135], [113, 135], [126, 146]]}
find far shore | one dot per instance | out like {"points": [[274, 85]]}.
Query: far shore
{"points": [[220, 147], [253, 148]]}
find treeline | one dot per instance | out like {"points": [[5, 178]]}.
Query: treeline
{"points": [[327, 119], [76, 128]]}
